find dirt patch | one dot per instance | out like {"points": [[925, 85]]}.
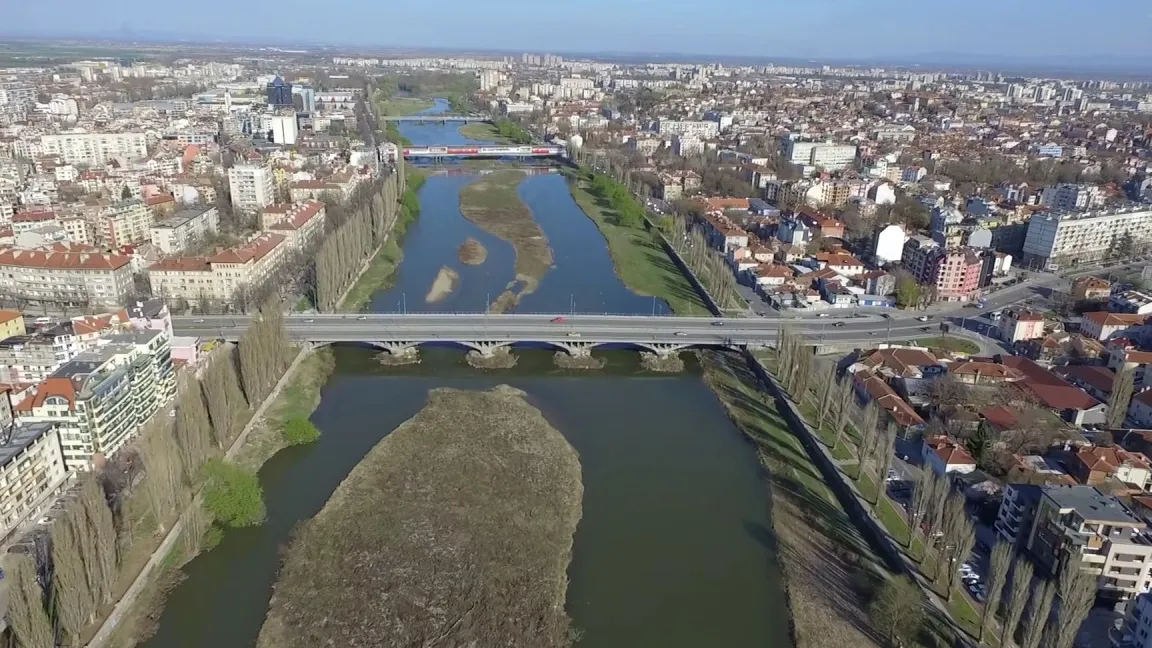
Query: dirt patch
{"points": [[445, 282], [565, 360], [472, 252], [455, 530], [492, 203], [667, 363], [501, 358]]}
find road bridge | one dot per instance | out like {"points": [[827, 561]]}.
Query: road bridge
{"points": [[575, 334], [439, 152]]}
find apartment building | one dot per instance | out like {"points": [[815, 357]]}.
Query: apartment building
{"points": [[954, 272], [1079, 523], [30, 358], [177, 232], [338, 186], [65, 278], [32, 470], [700, 129], [251, 186], [101, 398], [830, 157], [1017, 512], [11, 323], [1136, 629], [1057, 240], [218, 277], [95, 149], [1072, 197], [124, 223], [301, 224]]}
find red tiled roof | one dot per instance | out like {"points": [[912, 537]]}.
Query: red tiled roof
{"points": [[182, 264], [62, 260], [38, 216], [61, 387], [950, 452], [253, 250], [9, 315]]}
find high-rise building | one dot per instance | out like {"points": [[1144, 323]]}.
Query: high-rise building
{"points": [[1079, 237], [282, 128], [124, 223], [279, 93], [307, 97], [251, 186], [1072, 197], [95, 148], [32, 468]]}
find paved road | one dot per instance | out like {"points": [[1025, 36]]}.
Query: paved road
{"points": [[599, 329]]}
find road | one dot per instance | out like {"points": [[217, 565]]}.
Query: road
{"points": [[597, 329]]}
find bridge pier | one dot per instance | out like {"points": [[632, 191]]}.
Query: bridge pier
{"points": [[490, 355], [662, 357], [577, 355], [398, 353]]}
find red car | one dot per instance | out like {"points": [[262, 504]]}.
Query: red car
{"points": [[556, 320]]}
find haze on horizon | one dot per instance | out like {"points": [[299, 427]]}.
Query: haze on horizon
{"points": [[838, 29]]}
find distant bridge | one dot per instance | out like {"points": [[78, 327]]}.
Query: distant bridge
{"points": [[531, 151], [467, 119]]}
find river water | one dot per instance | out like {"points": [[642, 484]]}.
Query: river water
{"points": [[674, 546]]}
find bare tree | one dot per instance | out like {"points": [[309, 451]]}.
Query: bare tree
{"points": [[101, 530], [1016, 598], [869, 431], [922, 499], [73, 599], [1039, 609], [998, 565], [1123, 384], [827, 392], [1077, 591], [846, 403], [885, 452], [959, 538]]}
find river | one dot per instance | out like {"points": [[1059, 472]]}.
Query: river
{"points": [[673, 548]]}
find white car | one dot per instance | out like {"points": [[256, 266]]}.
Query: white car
{"points": [[822, 315], [923, 318]]}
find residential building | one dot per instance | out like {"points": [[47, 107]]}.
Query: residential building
{"points": [[218, 277], [251, 186], [1131, 301], [1136, 629], [889, 244], [830, 157], [65, 278], [1081, 524], [1072, 197], [955, 273], [339, 186], [124, 223], [1057, 240], [944, 455], [32, 470], [1095, 465], [100, 399], [1018, 325], [1091, 288], [301, 223], [11, 323], [184, 228], [1017, 510], [1102, 325], [95, 149]]}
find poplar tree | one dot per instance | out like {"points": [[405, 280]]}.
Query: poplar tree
{"points": [[1016, 598], [101, 535], [826, 399], [1123, 384], [73, 598], [1077, 592], [26, 613], [998, 565], [886, 450], [1039, 609]]}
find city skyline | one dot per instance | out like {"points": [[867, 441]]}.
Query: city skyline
{"points": [[986, 32]]}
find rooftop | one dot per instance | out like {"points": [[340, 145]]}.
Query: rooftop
{"points": [[19, 437], [1090, 504]]}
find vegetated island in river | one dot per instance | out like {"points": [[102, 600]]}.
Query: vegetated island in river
{"points": [[472, 252], [445, 282], [492, 203], [454, 530]]}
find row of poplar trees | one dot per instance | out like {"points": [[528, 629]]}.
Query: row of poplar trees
{"points": [[359, 229], [67, 573], [1022, 599]]}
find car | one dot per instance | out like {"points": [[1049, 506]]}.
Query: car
{"points": [[309, 321], [200, 321], [718, 323], [838, 324], [679, 334], [871, 332], [557, 320], [923, 318], [886, 316], [925, 328], [822, 315], [573, 334], [362, 317], [892, 476]]}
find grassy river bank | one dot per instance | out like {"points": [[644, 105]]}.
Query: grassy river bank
{"points": [[455, 529]]}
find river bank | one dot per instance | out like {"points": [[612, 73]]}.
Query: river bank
{"points": [[381, 269], [828, 568], [638, 256], [447, 530], [493, 204]]}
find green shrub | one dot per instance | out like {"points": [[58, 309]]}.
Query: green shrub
{"points": [[298, 431], [232, 494]]}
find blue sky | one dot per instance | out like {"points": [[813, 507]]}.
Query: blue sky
{"points": [[795, 28]]}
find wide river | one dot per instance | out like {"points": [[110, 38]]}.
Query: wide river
{"points": [[674, 548]]}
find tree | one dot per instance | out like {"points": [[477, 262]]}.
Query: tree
{"points": [[223, 394], [1016, 598], [922, 498], [126, 193], [1039, 609], [73, 599], [869, 431], [998, 565], [897, 610], [885, 452], [299, 431], [1077, 591], [1123, 384], [1124, 245], [907, 289], [232, 494], [26, 613], [846, 402], [958, 540], [826, 396]]}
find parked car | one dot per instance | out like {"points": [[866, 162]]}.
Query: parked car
{"points": [[923, 318]]}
